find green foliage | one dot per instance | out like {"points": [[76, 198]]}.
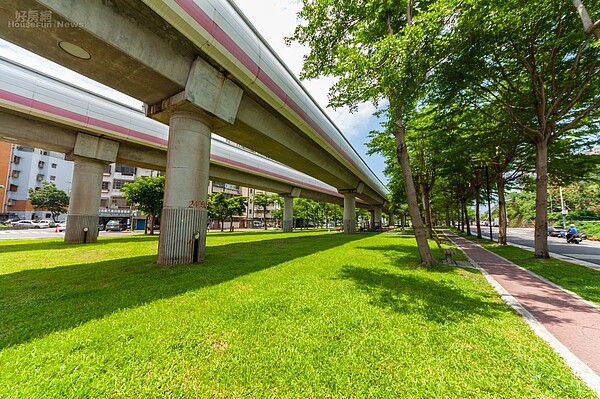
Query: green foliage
{"points": [[217, 207], [264, 201], [236, 206], [146, 194], [49, 198]]}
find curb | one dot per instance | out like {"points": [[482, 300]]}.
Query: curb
{"points": [[580, 369]]}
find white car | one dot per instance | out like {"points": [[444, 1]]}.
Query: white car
{"points": [[42, 224], [46, 223]]}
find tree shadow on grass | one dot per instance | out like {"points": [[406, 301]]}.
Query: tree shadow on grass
{"points": [[407, 256], [436, 301], [35, 303], [54, 243]]}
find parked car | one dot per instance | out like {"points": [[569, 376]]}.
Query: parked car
{"points": [[115, 225], [33, 224], [556, 232], [46, 223]]}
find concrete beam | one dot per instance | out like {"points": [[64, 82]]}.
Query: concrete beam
{"points": [[94, 147], [262, 130], [36, 133], [206, 89], [231, 176], [148, 61]]}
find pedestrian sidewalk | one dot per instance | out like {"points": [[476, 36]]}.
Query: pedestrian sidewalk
{"points": [[568, 323]]}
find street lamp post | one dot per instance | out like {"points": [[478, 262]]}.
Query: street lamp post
{"points": [[487, 182]]}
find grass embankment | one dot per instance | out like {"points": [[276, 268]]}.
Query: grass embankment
{"points": [[583, 281], [302, 315]]}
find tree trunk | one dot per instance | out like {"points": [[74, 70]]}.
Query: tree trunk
{"points": [[426, 206], [477, 213], [502, 220], [265, 217], [467, 221], [222, 221], [411, 196], [541, 200]]}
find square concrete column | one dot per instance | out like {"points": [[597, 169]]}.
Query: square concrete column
{"points": [[392, 219], [288, 214], [377, 217], [84, 204], [184, 215], [350, 212]]}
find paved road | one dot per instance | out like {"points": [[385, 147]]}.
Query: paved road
{"points": [[46, 233], [587, 251]]}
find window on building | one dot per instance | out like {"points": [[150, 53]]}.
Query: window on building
{"points": [[218, 184], [41, 164], [52, 178], [105, 185], [118, 184], [119, 202], [53, 166], [107, 169], [104, 203], [125, 170], [16, 159], [40, 177], [13, 188], [15, 173]]}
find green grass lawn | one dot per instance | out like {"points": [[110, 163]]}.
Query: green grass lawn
{"points": [[267, 315]]}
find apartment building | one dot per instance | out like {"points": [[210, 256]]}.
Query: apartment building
{"points": [[24, 167]]}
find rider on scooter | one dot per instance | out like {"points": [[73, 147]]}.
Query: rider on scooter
{"points": [[572, 231]]}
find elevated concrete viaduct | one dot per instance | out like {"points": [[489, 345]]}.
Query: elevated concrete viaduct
{"points": [[200, 67], [92, 142]]}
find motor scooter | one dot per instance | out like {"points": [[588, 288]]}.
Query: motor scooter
{"points": [[574, 238]]}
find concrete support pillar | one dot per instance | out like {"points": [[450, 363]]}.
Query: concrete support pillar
{"points": [[89, 156], [377, 217], [392, 220], [288, 214], [84, 205], [184, 215], [349, 212]]}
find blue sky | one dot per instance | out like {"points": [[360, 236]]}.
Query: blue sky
{"points": [[278, 23]]}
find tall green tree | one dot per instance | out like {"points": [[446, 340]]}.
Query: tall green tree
{"points": [[533, 63], [49, 198], [264, 201], [381, 52], [146, 194], [217, 208], [236, 206]]}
